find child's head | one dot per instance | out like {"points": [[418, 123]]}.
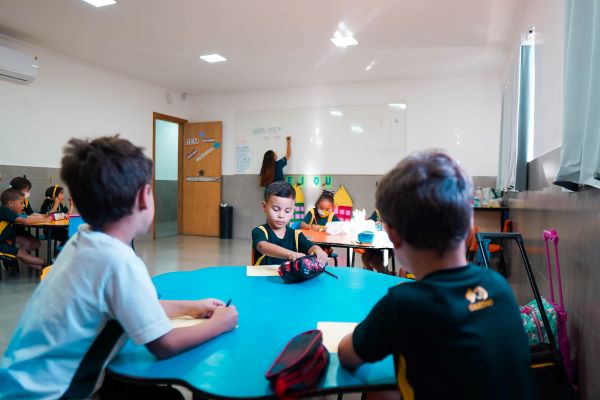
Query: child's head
{"points": [[324, 204], [278, 204], [54, 192], [109, 178], [267, 170], [21, 184], [13, 199], [426, 201]]}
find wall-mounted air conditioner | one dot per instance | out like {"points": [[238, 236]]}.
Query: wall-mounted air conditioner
{"points": [[17, 66]]}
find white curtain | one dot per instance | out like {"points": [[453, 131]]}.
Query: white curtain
{"points": [[507, 168], [580, 155]]}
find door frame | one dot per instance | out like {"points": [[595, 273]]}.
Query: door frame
{"points": [[180, 122]]}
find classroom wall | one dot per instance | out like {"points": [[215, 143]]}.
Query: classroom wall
{"points": [[548, 18], [73, 99], [437, 109]]}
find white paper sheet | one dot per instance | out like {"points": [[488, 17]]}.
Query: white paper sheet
{"points": [[185, 321], [334, 332], [262, 270]]}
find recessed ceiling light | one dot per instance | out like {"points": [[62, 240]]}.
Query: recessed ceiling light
{"points": [[400, 106], [213, 58], [344, 41], [336, 113], [100, 3], [368, 67]]}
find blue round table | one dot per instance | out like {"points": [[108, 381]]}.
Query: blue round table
{"points": [[271, 312]]}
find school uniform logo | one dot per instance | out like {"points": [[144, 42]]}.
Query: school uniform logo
{"points": [[478, 299]]}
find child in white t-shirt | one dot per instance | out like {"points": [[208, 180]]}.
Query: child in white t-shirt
{"points": [[98, 288]]}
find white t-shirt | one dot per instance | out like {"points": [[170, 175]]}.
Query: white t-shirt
{"points": [[96, 282]]}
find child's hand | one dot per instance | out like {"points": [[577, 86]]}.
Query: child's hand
{"points": [[315, 227], [225, 318], [70, 202], [293, 256], [321, 257], [205, 308]]}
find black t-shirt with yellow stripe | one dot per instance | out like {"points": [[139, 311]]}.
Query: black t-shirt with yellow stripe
{"points": [[455, 334], [312, 217], [7, 217], [265, 233]]}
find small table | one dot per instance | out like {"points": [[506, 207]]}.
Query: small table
{"points": [[64, 223], [271, 312], [344, 240]]}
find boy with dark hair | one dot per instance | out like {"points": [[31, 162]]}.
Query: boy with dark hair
{"points": [[454, 333], [10, 211], [275, 242], [98, 288]]}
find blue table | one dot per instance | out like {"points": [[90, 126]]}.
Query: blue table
{"points": [[270, 314]]}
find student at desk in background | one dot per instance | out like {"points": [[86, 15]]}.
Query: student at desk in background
{"points": [[275, 242], [25, 239], [322, 213], [99, 290], [53, 204], [12, 206], [456, 332]]}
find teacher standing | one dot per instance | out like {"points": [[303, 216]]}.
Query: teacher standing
{"points": [[271, 170]]}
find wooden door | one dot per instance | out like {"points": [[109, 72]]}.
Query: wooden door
{"points": [[201, 190]]}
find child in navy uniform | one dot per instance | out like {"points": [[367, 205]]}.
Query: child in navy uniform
{"points": [[455, 332], [10, 212], [275, 242], [99, 290], [22, 185], [53, 204], [317, 217]]}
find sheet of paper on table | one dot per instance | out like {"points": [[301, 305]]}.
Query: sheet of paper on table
{"points": [[334, 332], [185, 321], [262, 270]]}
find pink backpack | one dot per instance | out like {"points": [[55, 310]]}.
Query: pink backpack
{"points": [[564, 344]]}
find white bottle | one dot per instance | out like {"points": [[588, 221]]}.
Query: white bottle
{"points": [[479, 197]]}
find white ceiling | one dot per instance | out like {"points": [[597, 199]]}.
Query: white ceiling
{"points": [[268, 43]]}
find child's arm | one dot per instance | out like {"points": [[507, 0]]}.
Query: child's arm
{"points": [[55, 205], [31, 220], [178, 340], [194, 308], [304, 225], [272, 250], [71, 206], [288, 151], [347, 355]]}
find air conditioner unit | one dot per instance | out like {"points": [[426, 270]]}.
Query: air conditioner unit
{"points": [[16, 66]]}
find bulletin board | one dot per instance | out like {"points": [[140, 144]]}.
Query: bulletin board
{"points": [[358, 139]]}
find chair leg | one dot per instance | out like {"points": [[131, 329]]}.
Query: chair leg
{"points": [[335, 261]]}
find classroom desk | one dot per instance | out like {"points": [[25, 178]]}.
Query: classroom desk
{"points": [[345, 241], [271, 312], [64, 223]]}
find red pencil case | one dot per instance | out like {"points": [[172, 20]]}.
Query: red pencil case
{"points": [[300, 366]]}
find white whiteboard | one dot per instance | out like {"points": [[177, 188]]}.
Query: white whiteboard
{"points": [[357, 140]]}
